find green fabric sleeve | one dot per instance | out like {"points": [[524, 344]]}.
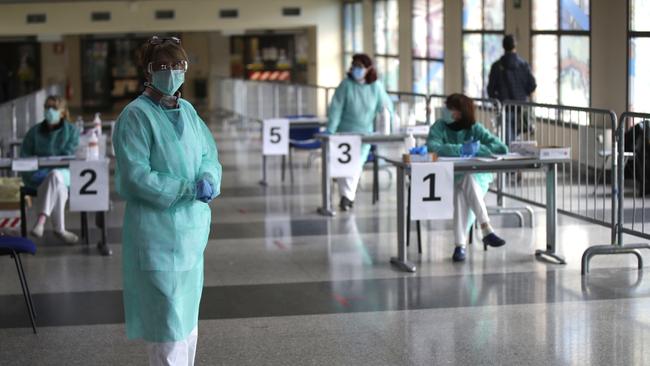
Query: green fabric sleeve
{"points": [[436, 142], [210, 168], [336, 108], [72, 139], [137, 180], [490, 144]]}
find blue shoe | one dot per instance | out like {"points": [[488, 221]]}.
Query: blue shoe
{"points": [[493, 240], [459, 254]]}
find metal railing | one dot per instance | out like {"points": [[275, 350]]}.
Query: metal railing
{"points": [[411, 108], [633, 153], [586, 186], [19, 115], [259, 100]]}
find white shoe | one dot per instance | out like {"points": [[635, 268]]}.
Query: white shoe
{"points": [[67, 237], [37, 231]]}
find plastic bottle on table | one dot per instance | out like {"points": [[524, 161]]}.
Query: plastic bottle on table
{"points": [[79, 124], [93, 146], [409, 143], [97, 124]]}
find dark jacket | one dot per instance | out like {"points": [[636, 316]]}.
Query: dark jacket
{"points": [[511, 79]]}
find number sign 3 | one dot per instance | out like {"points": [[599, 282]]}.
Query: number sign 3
{"points": [[344, 155]]}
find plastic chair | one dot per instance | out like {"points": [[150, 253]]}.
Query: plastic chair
{"points": [[13, 246], [301, 138]]}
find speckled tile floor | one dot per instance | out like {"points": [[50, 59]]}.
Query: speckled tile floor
{"points": [[285, 286]]}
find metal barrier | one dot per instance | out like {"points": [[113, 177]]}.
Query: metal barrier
{"points": [[583, 184], [19, 115], [411, 108], [259, 100], [633, 153]]}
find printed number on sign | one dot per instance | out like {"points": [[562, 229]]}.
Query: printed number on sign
{"points": [[275, 135], [432, 191], [93, 178], [89, 186], [432, 188], [345, 151]]}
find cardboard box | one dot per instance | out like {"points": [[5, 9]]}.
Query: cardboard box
{"points": [[428, 158], [10, 189]]}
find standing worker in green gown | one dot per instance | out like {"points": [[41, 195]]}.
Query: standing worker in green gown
{"points": [[167, 171], [458, 134], [356, 102]]}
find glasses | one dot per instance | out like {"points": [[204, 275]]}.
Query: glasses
{"points": [[162, 66], [155, 40]]}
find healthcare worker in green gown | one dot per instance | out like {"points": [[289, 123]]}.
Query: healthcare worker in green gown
{"points": [[55, 136], [457, 134], [167, 171], [356, 102]]}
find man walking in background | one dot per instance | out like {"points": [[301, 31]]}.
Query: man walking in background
{"points": [[511, 79]]}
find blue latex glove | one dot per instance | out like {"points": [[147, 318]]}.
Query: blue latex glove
{"points": [[204, 191], [470, 149], [419, 150], [39, 176]]}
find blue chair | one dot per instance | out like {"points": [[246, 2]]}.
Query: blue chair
{"points": [[301, 138], [13, 246]]}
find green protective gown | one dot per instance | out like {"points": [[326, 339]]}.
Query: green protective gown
{"points": [[161, 154], [354, 107], [446, 142], [40, 141]]}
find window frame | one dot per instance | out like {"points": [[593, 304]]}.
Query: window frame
{"points": [[426, 58], [559, 33], [384, 56], [630, 34], [482, 32], [347, 55]]}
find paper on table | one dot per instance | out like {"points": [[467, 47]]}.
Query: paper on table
{"points": [[452, 158], [512, 156], [24, 165]]}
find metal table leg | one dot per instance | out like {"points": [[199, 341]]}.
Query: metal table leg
{"points": [[401, 261], [326, 188], [263, 181], [102, 246], [551, 218], [375, 177]]}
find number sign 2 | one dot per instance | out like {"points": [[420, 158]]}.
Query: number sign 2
{"points": [[275, 137], [344, 155], [432, 191], [89, 187]]}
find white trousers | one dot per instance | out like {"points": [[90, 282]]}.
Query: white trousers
{"points": [[179, 353], [52, 197], [468, 195], [348, 186]]}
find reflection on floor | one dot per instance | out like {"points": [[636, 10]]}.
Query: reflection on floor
{"points": [[285, 286]]}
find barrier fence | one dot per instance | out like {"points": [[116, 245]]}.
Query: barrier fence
{"points": [[633, 150], [259, 100], [19, 115], [586, 186]]}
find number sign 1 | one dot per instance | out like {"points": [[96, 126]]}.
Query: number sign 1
{"points": [[432, 191], [344, 155], [89, 187], [275, 137]]}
